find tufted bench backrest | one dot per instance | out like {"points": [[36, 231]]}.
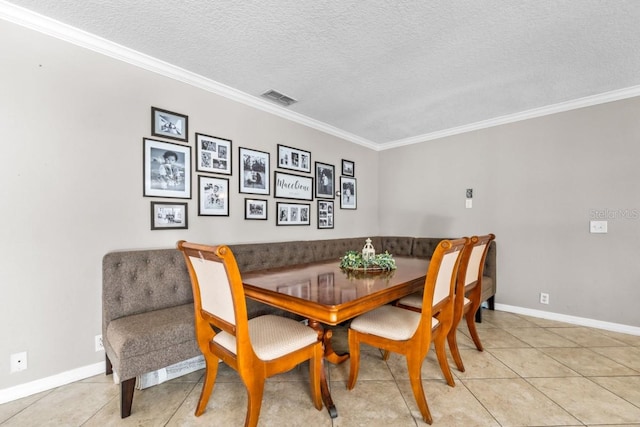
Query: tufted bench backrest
{"points": [[334, 249], [259, 256], [397, 245], [140, 281]]}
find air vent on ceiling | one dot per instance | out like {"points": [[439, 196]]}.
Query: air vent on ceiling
{"points": [[281, 99]]}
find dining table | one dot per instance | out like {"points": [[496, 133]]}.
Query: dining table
{"points": [[325, 294]]}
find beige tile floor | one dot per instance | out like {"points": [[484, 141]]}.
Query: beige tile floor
{"points": [[533, 372]]}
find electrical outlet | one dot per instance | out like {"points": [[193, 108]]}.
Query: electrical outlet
{"points": [[544, 298], [19, 362], [98, 342]]}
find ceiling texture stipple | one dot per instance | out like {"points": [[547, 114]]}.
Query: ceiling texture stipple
{"points": [[382, 73]]}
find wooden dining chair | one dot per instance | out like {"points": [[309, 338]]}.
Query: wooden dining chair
{"points": [[468, 294], [257, 348], [408, 332]]}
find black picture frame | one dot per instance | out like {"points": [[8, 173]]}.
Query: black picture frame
{"points": [[348, 168], [348, 193], [166, 169], [293, 213], [213, 196], [255, 209], [325, 181], [254, 171], [326, 216], [169, 124], [213, 154], [169, 216], [294, 159], [292, 186]]}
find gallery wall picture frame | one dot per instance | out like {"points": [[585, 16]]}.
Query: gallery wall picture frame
{"points": [[213, 154], [168, 124], [293, 213], [348, 193], [255, 209], [254, 171], [291, 186], [213, 196], [169, 216], [325, 214], [325, 181], [166, 169], [294, 159], [348, 168]]}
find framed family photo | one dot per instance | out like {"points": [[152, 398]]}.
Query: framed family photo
{"points": [[255, 209], [325, 181], [168, 124], [294, 159], [254, 171], [213, 154], [213, 196], [167, 216], [325, 214], [290, 186], [166, 169], [348, 168], [293, 213], [348, 193]]}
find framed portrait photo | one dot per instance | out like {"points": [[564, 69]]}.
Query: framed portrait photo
{"points": [[290, 186], [348, 168], [348, 193], [213, 154], [167, 216], [254, 171], [255, 209], [166, 169], [294, 159], [325, 181], [168, 124], [325, 213], [213, 196], [293, 213]]}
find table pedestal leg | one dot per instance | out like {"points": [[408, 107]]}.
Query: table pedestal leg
{"points": [[329, 354]]}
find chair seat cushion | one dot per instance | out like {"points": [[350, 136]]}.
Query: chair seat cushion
{"points": [[151, 331], [414, 300], [389, 322], [272, 336]]}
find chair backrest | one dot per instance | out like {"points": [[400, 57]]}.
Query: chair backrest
{"points": [[441, 276], [218, 295], [472, 270]]}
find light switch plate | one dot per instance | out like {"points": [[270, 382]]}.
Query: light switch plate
{"points": [[598, 226]]}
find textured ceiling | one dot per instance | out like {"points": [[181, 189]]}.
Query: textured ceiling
{"points": [[383, 71]]}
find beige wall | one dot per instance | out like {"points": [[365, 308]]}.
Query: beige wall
{"points": [[536, 184], [72, 125]]}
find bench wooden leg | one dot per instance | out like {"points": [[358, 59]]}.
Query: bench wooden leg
{"points": [[127, 388], [491, 302]]}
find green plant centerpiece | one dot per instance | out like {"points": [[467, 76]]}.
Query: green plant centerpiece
{"points": [[354, 260]]}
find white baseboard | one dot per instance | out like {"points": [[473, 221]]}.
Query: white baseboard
{"points": [[581, 321], [48, 383]]}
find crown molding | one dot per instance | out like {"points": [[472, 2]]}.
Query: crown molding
{"points": [[59, 30], [588, 101]]}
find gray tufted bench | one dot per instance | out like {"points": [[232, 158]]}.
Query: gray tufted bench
{"points": [[147, 302]]}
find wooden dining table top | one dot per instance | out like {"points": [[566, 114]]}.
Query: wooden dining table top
{"points": [[328, 294]]}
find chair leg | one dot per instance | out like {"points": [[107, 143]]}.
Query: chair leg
{"points": [[385, 355], [441, 352], [414, 365], [315, 373], [452, 338], [210, 374], [255, 390], [472, 330], [127, 387], [354, 359]]}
